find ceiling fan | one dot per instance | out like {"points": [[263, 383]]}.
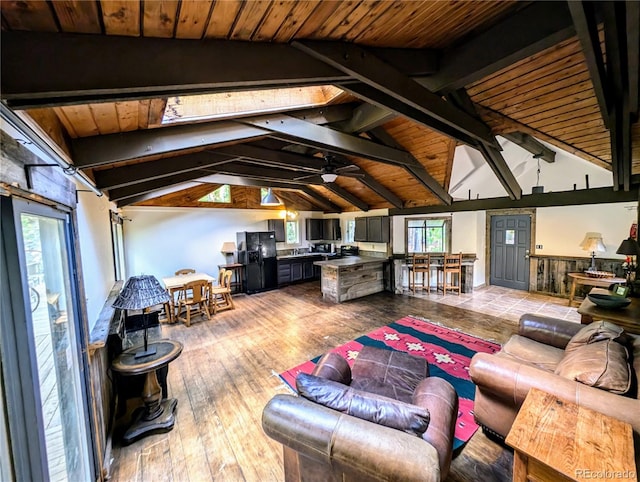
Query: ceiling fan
{"points": [[332, 169]]}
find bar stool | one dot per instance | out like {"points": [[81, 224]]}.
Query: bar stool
{"points": [[451, 270], [421, 263]]}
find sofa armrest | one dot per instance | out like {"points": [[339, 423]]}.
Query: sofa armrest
{"points": [[510, 381], [545, 329], [441, 400], [348, 444]]}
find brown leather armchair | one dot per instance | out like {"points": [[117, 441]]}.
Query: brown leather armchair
{"points": [[530, 359], [323, 444]]}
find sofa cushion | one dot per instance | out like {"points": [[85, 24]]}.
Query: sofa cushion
{"points": [[597, 331], [533, 353], [367, 406], [603, 364], [388, 367]]}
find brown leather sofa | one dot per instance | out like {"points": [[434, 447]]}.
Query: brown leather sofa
{"points": [[531, 358], [351, 441]]}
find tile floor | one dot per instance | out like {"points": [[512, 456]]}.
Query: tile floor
{"points": [[505, 302]]}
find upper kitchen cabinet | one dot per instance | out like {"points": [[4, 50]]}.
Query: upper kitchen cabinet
{"points": [[372, 229], [331, 230], [277, 225], [314, 228]]}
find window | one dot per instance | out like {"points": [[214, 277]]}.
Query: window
{"points": [[292, 232], [220, 195], [349, 236], [117, 240], [428, 235]]}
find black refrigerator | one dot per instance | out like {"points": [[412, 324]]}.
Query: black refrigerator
{"points": [[257, 252]]}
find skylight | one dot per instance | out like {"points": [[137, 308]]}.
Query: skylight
{"points": [[223, 105]]}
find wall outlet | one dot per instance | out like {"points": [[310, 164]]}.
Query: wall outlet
{"points": [[538, 246]]}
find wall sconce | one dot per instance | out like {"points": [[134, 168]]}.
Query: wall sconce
{"points": [[229, 249]]}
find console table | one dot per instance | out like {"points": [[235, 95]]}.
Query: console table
{"points": [[556, 440], [627, 317]]}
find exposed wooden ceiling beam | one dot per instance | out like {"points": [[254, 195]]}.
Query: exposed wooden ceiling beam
{"points": [[155, 194], [365, 117], [295, 130], [289, 160], [614, 15], [524, 33], [278, 157], [601, 195], [313, 196], [373, 71], [416, 170], [491, 155], [111, 148], [586, 25], [384, 102], [101, 150], [156, 186], [380, 190], [44, 69], [147, 171], [633, 54], [347, 196], [531, 144]]}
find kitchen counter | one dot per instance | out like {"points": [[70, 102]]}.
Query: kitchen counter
{"points": [[351, 277]]}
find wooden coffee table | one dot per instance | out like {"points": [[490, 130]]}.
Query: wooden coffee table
{"points": [[627, 317], [583, 279], [555, 440]]}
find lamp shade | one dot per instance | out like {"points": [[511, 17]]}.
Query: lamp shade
{"points": [[329, 177], [629, 247], [228, 247], [140, 292], [593, 242], [270, 199]]}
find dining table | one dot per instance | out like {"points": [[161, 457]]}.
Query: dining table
{"points": [[176, 283]]}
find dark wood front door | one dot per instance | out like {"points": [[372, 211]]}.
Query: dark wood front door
{"points": [[510, 241]]}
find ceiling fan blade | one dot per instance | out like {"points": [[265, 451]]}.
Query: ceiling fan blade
{"points": [[357, 175], [350, 167]]}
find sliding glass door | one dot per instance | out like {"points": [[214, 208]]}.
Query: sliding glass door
{"points": [[43, 361]]}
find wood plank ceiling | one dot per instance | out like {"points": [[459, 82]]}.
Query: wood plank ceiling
{"points": [[419, 78]]}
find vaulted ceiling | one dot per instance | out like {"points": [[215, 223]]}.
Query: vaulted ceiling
{"points": [[416, 79]]}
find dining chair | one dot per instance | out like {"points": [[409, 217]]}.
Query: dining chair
{"points": [[451, 270], [421, 264], [195, 298], [221, 294]]}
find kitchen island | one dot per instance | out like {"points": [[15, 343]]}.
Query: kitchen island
{"points": [[351, 277]]}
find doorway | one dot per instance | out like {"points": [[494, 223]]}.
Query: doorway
{"points": [[43, 361], [510, 240]]}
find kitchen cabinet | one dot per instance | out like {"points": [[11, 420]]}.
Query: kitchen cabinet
{"points": [[297, 269], [360, 233], [277, 225], [331, 230], [372, 229], [314, 228]]}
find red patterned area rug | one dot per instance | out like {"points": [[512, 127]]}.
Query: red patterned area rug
{"points": [[447, 351]]}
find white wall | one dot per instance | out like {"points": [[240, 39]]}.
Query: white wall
{"points": [[159, 241], [561, 229], [96, 253]]}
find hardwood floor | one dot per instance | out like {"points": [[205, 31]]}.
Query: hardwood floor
{"points": [[228, 371]]}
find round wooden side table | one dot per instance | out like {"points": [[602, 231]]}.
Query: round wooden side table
{"points": [[158, 414]]}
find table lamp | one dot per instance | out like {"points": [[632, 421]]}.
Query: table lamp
{"points": [[229, 248], [630, 248], [141, 293], [593, 242]]}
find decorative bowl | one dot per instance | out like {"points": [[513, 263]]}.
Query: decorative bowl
{"points": [[609, 301], [599, 274]]}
